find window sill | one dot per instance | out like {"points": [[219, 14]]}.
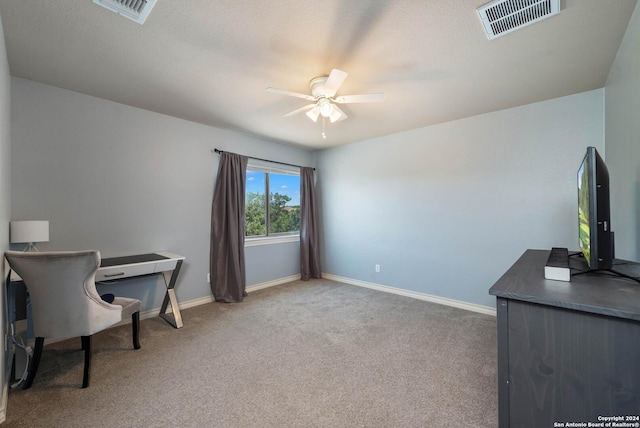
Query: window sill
{"points": [[253, 242]]}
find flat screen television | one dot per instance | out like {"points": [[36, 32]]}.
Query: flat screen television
{"points": [[594, 217]]}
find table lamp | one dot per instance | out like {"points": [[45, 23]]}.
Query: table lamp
{"points": [[29, 232]]}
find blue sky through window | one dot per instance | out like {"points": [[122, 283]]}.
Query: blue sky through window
{"points": [[280, 183]]}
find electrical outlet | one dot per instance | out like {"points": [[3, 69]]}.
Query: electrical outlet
{"points": [[208, 277], [377, 268]]}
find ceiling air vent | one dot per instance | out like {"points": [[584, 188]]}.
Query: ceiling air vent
{"points": [[500, 17], [135, 10]]}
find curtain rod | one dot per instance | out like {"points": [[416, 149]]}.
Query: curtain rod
{"points": [[264, 160]]}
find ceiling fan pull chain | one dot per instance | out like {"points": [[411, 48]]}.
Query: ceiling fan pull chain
{"points": [[323, 121]]}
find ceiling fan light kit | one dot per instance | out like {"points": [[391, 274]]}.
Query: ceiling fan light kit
{"points": [[323, 97], [313, 114], [325, 107]]}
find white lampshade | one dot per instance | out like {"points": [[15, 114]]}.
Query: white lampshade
{"points": [[29, 231], [313, 113]]}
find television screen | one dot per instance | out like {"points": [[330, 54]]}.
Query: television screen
{"points": [[583, 210], [593, 211]]}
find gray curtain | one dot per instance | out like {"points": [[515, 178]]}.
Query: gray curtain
{"points": [[309, 249], [228, 278]]}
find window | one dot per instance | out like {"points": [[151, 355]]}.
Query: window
{"points": [[279, 214]]}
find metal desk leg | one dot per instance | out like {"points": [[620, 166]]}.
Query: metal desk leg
{"points": [[170, 278]]}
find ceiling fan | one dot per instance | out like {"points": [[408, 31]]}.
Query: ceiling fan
{"points": [[323, 97]]}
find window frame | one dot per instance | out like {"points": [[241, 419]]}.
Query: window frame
{"points": [[275, 238]]}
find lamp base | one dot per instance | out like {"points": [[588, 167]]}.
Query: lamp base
{"points": [[30, 248]]}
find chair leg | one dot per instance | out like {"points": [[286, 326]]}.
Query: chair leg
{"points": [[135, 326], [86, 345], [35, 361]]}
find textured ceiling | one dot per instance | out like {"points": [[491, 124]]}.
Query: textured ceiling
{"points": [[210, 61]]}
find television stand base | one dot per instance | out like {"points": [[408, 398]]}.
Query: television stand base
{"points": [[614, 272], [622, 268]]}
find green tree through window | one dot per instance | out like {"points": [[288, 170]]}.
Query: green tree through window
{"points": [[282, 208]]}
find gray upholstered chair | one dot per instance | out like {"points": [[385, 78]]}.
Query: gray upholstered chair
{"points": [[65, 303]]}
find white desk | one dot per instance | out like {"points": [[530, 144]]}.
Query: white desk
{"points": [[117, 268]]}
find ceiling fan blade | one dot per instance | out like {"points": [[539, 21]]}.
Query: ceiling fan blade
{"points": [[337, 115], [301, 109], [291, 94], [314, 113], [334, 81], [365, 98]]}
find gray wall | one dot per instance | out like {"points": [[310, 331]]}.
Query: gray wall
{"points": [[125, 180], [622, 107], [5, 184], [446, 209]]}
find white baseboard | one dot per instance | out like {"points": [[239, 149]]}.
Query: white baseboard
{"points": [[208, 299], [414, 294], [407, 293], [273, 283]]}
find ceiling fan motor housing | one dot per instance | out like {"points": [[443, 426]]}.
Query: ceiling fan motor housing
{"points": [[317, 86], [324, 105]]}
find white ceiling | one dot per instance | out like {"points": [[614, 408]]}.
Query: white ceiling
{"points": [[210, 61]]}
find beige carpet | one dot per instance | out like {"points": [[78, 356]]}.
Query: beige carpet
{"points": [[304, 354]]}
